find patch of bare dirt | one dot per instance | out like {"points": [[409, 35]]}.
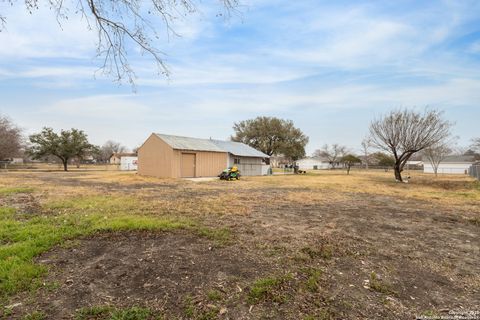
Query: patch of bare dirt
{"points": [[24, 203], [155, 270]]}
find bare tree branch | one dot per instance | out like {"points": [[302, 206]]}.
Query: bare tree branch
{"points": [[3, 21], [122, 23], [366, 144], [476, 144]]}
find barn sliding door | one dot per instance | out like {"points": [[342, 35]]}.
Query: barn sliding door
{"points": [[188, 165]]}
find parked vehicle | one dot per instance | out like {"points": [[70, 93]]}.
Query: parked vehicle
{"points": [[230, 174]]}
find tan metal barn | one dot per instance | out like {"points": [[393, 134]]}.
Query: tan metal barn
{"points": [[167, 156]]}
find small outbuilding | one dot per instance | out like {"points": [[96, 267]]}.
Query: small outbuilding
{"points": [[116, 158], [129, 163], [450, 165], [167, 156], [313, 163]]}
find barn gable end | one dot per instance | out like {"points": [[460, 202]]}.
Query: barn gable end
{"points": [[155, 158]]}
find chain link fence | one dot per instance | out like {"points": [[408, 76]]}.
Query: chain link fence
{"points": [[474, 171]]}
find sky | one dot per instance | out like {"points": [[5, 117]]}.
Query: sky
{"points": [[330, 66]]}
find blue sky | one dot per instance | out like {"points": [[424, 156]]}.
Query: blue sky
{"points": [[331, 67]]}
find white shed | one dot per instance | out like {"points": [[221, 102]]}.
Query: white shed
{"points": [[450, 165], [17, 160], [128, 163], [312, 163]]}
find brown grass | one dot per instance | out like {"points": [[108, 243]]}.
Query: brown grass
{"points": [[418, 234]]}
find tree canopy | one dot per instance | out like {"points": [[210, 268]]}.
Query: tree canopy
{"points": [[124, 26], [349, 160], [11, 140], [272, 136], [382, 159], [69, 144], [406, 132]]}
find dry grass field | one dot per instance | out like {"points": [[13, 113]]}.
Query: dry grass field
{"points": [[114, 245]]}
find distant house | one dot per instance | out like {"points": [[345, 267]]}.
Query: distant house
{"points": [[279, 161], [88, 159], [168, 156], [450, 165], [313, 163], [16, 160], [414, 165], [415, 162], [116, 158]]}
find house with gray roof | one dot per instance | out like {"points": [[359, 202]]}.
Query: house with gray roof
{"points": [[169, 156]]}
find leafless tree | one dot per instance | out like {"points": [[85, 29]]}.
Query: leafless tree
{"points": [[135, 149], [405, 132], [110, 147], [366, 144], [333, 153], [11, 140], [436, 154], [476, 144], [121, 23]]}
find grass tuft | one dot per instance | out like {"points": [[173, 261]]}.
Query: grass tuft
{"points": [[221, 236], [214, 295], [37, 315], [268, 289], [378, 285], [110, 313], [199, 312], [313, 280], [325, 251]]}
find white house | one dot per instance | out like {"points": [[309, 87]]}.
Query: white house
{"points": [[450, 165], [311, 163], [415, 163], [116, 158], [128, 163]]}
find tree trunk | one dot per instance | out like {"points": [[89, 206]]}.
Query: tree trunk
{"points": [[348, 169], [398, 172], [65, 165]]}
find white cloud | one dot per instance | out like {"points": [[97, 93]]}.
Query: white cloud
{"points": [[39, 35], [109, 107]]}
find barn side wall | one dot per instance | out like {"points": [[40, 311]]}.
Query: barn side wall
{"points": [[208, 164], [155, 158]]}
